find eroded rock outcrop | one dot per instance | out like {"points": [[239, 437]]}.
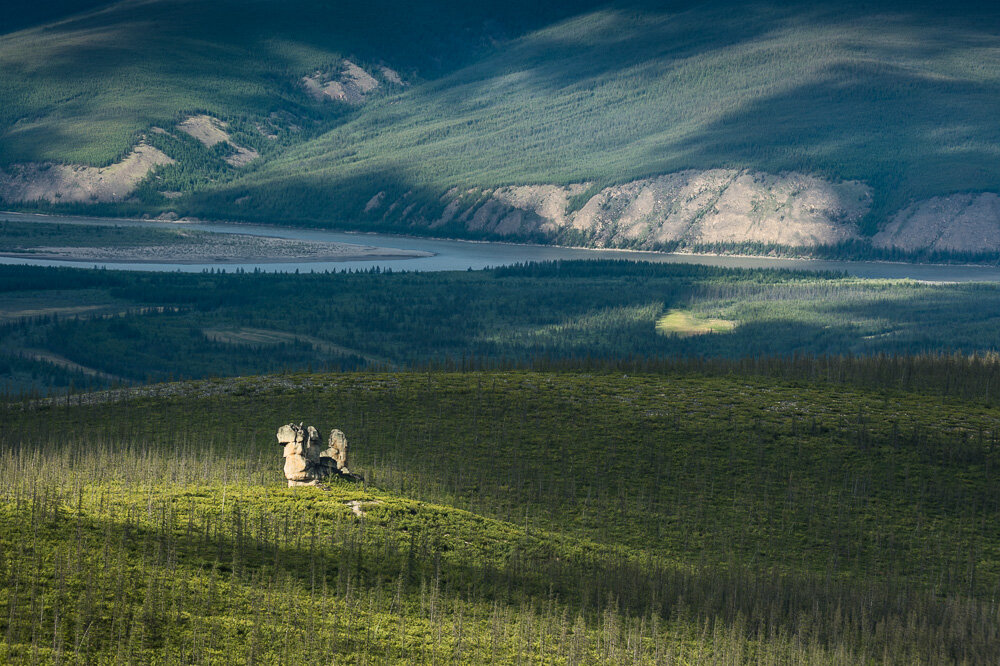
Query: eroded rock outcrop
{"points": [[348, 82], [74, 183], [210, 131], [687, 209], [306, 461], [956, 223]]}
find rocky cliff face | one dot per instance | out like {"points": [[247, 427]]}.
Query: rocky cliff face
{"points": [[704, 208], [348, 82], [691, 208], [68, 183], [956, 223]]}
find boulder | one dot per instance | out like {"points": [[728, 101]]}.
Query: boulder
{"points": [[293, 438], [306, 463], [337, 449], [287, 433]]}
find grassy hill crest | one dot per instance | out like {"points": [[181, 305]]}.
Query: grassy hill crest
{"points": [[584, 517]]}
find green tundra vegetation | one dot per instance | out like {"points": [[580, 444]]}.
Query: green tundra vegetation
{"points": [[95, 328], [684, 323], [898, 95], [508, 517]]}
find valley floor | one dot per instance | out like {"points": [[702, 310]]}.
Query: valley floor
{"points": [[135, 242]]}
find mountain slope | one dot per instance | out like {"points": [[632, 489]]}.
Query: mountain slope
{"points": [[80, 88], [902, 100], [897, 97]]}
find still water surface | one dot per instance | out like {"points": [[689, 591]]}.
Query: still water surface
{"points": [[461, 255]]}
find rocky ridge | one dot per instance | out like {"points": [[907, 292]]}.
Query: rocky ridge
{"points": [[956, 223], [688, 208], [348, 82], [73, 183], [212, 131]]}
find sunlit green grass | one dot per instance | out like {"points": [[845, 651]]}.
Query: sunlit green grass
{"points": [[684, 324]]}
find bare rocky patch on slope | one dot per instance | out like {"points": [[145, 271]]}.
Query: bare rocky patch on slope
{"points": [[347, 82], [689, 208], [212, 131], [68, 183], [956, 223]]}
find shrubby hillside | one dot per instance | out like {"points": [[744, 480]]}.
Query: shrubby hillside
{"points": [[572, 518]]}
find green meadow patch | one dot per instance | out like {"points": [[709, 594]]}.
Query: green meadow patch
{"points": [[684, 324]]}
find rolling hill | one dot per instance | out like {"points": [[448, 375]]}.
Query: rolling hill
{"points": [[691, 125], [575, 517]]}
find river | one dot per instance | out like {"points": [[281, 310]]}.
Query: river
{"points": [[452, 255]]}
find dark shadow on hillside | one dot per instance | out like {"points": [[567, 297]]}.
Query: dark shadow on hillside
{"points": [[428, 37], [914, 323], [320, 200], [771, 337], [866, 119]]}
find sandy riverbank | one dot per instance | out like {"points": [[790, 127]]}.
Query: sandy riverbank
{"points": [[227, 248]]}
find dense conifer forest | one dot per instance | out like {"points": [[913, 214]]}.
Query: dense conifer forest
{"points": [[139, 327], [898, 97]]}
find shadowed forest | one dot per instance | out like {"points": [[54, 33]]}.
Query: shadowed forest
{"points": [[99, 328]]}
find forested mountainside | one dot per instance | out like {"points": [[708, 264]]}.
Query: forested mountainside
{"points": [[868, 127]]}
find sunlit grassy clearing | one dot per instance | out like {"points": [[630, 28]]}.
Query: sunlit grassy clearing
{"points": [[685, 324]]}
